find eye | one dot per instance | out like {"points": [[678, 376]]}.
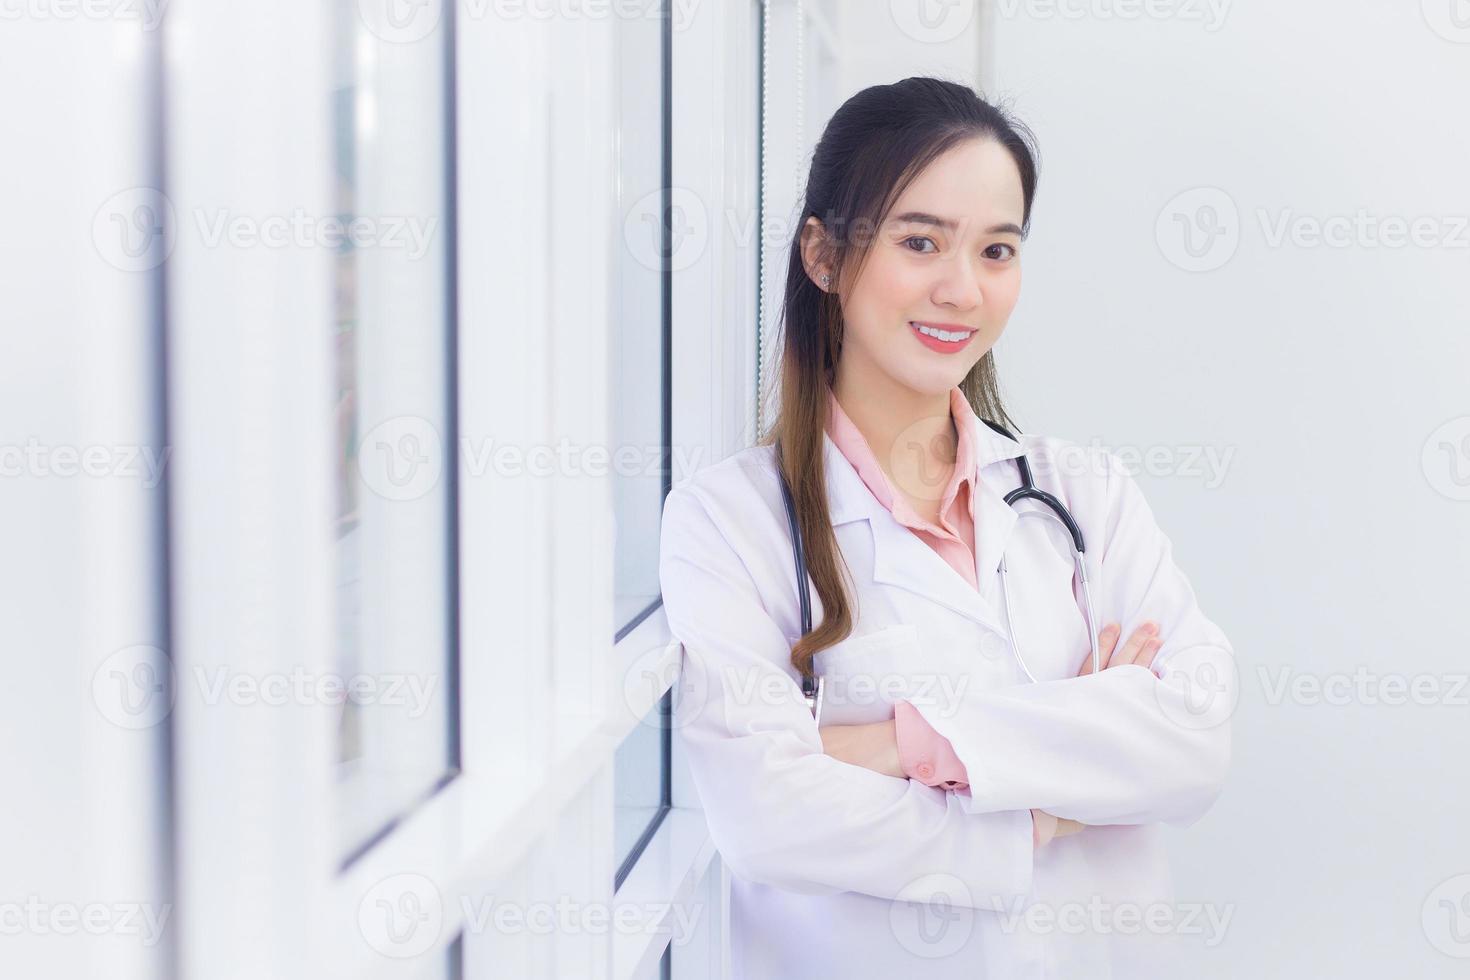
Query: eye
{"points": [[919, 238], [997, 245]]}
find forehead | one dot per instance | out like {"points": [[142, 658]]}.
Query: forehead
{"points": [[976, 182]]}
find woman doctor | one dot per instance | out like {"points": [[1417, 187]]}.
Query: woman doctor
{"points": [[974, 800]]}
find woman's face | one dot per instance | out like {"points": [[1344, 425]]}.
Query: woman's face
{"points": [[947, 257]]}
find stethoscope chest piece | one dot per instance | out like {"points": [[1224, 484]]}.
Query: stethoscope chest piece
{"points": [[814, 700]]}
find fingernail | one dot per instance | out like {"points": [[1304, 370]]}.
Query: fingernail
{"points": [[1150, 627]]}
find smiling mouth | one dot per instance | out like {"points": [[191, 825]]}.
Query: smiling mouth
{"points": [[946, 341]]}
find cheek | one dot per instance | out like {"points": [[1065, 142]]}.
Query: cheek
{"points": [[890, 282], [1002, 291], [887, 291]]}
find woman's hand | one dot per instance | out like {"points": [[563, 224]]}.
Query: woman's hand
{"points": [[1140, 649], [875, 746], [1066, 826], [872, 746], [1047, 827]]}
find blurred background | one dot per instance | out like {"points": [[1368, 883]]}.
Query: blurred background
{"points": [[350, 347]]}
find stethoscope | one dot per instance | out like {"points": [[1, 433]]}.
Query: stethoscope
{"points": [[811, 687]]}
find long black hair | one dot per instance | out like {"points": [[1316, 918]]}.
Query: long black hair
{"points": [[872, 149]]}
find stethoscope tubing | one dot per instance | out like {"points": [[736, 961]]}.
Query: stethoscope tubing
{"points": [[811, 686]]}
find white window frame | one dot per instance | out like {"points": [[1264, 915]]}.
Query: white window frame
{"points": [[85, 575]]}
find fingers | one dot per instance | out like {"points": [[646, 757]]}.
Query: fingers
{"points": [[1142, 646], [1146, 659], [1067, 827]]}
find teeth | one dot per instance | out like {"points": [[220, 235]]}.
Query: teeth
{"points": [[944, 335]]}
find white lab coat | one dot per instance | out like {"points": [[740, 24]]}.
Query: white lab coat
{"points": [[841, 872]]}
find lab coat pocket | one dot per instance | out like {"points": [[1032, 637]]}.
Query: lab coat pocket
{"points": [[864, 675]]}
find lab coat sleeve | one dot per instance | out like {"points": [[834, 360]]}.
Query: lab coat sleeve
{"points": [[1131, 745], [780, 811]]}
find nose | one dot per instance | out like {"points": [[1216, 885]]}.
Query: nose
{"points": [[959, 284]]}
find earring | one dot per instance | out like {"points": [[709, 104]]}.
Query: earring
{"points": [[826, 280]]}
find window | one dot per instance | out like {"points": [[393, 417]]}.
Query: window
{"points": [[640, 787], [639, 351], [639, 361], [395, 421]]}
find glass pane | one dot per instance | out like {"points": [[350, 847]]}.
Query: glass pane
{"points": [[638, 781], [662, 970], [639, 422], [394, 507], [637, 352]]}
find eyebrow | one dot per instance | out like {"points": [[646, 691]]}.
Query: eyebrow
{"points": [[924, 218]]}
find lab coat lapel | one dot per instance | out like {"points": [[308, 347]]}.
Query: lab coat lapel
{"points": [[994, 522], [994, 518], [902, 559]]}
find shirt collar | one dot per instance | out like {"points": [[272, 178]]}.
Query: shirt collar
{"points": [[851, 465]]}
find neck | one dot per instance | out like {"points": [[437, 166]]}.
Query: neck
{"points": [[910, 432]]}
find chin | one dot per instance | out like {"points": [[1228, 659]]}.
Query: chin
{"points": [[932, 380]]}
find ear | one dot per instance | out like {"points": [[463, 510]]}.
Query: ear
{"points": [[814, 252]]}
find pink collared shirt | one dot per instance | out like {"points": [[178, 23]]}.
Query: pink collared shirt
{"points": [[923, 753]]}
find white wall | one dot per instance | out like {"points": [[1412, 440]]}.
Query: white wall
{"points": [[1337, 538], [1306, 405]]}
